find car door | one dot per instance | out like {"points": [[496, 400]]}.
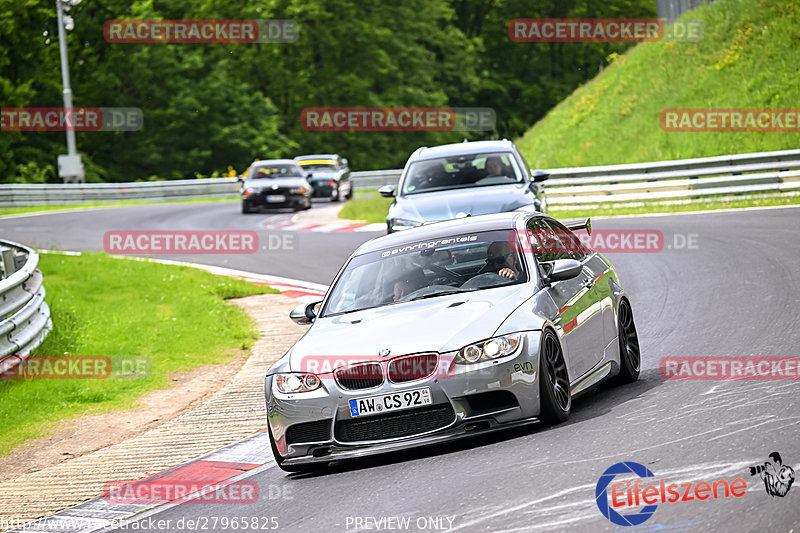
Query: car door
{"points": [[578, 320], [595, 302]]}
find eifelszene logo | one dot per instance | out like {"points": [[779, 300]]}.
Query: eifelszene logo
{"points": [[632, 494]]}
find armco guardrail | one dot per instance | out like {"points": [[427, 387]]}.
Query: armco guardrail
{"points": [[681, 179], [374, 179], [24, 315], [77, 193], [660, 180]]}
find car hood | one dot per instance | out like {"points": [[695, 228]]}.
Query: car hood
{"points": [[441, 324], [265, 183], [447, 205]]}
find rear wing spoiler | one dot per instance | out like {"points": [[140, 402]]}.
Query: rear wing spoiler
{"points": [[586, 224]]}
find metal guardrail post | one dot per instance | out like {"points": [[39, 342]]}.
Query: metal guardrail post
{"points": [[24, 314], [8, 261]]}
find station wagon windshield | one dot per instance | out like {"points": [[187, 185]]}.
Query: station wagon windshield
{"points": [[462, 171]]}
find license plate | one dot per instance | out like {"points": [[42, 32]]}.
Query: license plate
{"points": [[275, 198], [393, 401]]}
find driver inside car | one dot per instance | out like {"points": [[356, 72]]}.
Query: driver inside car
{"points": [[494, 167], [500, 260]]}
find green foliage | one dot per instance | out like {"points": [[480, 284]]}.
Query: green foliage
{"points": [[208, 106], [747, 59]]}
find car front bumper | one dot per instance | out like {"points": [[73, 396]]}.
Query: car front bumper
{"points": [[322, 189], [317, 427], [290, 200]]}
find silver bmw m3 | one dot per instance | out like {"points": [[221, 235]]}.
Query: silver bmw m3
{"points": [[449, 330]]}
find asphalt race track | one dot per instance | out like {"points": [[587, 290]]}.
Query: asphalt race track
{"points": [[304, 255], [735, 293]]}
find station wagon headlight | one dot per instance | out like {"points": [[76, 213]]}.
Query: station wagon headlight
{"points": [[292, 383], [298, 190], [489, 349], [401, 224]]}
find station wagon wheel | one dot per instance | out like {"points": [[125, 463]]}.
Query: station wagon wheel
{"points": [[554, 393], [630, 358]]}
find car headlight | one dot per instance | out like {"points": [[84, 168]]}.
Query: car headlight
{"points": [[292, 383], [401, 224], [298, 190], [489, 349], [250, 191]]}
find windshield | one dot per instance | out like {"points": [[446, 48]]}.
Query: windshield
{"points": [[429, 269], [457, 172], [318, 164], [275, 171]]}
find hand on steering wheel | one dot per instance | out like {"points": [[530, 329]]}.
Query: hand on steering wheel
{"points": [[507, 273]]}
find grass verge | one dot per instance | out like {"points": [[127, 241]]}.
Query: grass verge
{"points": [[746, 59], [370, 209], [176, 316], [643, 208], [374, 209]]}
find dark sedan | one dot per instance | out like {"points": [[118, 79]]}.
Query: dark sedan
{"points": [[328, 174], [275, 183]]}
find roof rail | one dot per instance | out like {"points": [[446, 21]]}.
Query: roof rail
{"points": [[418, 151]]}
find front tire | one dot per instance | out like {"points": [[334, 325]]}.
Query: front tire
{"points": [[630, 359], [554, 393], [246, 209]]}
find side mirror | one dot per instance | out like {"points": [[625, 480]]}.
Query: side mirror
{"points": [[564, 269], [304, 314], [539, 175], [387, 191], [240, 178], [345, 162], [310, 175], [587, 225]]}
